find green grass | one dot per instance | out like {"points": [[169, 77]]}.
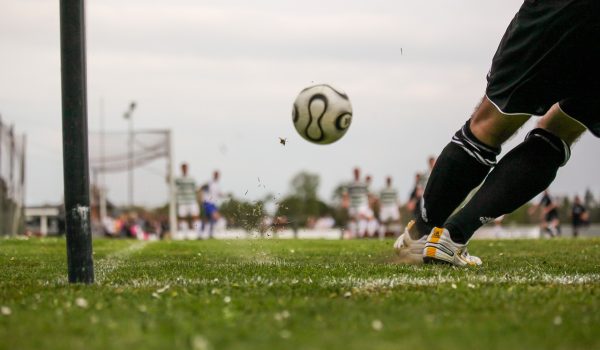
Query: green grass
{"points": [[278, 294]]}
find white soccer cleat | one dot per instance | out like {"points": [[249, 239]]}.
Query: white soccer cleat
{"points": [[440, 248], [410, 250]]}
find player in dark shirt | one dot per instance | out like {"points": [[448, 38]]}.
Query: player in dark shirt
{"points": [[579, 216], [547, 64], [550, 219], [415, 195]]}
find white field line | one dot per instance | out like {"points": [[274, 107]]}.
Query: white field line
{"points": [[371, 284], [105, 266]]}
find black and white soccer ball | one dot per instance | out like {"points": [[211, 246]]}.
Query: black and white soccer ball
{"points": [[322, 114]]}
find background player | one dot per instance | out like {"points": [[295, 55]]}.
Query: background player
{"points": [[188, 212], [549, 220], [425, 177], [211, 198], [389, 210], [579, 216], [546, 64], [355, 199], [415, 196]]}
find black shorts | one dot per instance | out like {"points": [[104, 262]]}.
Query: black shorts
{"points": [[550, 53], [551, 215]]}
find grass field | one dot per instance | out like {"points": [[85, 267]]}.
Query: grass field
{"points": [[281, 294]]}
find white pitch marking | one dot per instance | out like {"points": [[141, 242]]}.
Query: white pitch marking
{"points": [[373, 284], [114, 260]]}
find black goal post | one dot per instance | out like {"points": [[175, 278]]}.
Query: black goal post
{"points": [[75, 141]]}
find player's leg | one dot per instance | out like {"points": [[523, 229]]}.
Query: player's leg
{"points": [[362, 221], [544, 57], [362, 227], [523, 173], [372, 223], [550, 229], [182, 223], [471, 153], [352, 223], [210, 209], [575, 229], [191, 215], [557, 227], [372, 227], [387, 218], [214, 218], [383, 222], [352, 228]]}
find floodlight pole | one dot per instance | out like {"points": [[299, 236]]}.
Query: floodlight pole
{"points": [[171, 179], [102, 185], [75, 142], [129, 116]]}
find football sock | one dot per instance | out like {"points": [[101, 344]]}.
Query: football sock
{"points": [[462, 165], [524, 172]]}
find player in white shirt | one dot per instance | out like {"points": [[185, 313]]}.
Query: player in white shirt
{"points": [[355, 199], [211, 199], [188, 212], [389, 209]]}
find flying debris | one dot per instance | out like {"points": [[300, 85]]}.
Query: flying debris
{"points": [[282, 140]]}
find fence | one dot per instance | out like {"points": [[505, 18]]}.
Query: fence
{"points": [[12, 180]]}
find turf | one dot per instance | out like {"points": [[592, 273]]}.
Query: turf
{"points": [[280, 294]]}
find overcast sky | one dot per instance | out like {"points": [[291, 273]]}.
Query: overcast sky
{"points": [[222, 75]]}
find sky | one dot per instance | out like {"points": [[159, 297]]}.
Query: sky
{"points": [[222, 76]]}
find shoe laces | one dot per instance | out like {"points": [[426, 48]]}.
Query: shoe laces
{"points": [[465, 253]]}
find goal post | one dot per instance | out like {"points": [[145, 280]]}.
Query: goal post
{"points": [[75, 142]]}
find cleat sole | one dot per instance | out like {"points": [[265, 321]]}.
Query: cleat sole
{"points": [[433, 261]]}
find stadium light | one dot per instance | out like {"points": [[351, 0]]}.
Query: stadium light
{"points": [[75, 142], [129, 116]]}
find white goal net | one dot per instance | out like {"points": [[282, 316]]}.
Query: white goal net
{"points": [[131, 171]]}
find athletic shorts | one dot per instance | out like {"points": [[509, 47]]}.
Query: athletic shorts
{"points": [[209, 208], [187, 210], [551, 215], [363, 211], [550, 53], [389, 213]]}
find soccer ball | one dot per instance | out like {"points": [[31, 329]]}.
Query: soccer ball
{"points": [[322, 114]]}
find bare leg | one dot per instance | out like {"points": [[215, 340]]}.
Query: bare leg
{"points": [[492, 127], [561, 125]]}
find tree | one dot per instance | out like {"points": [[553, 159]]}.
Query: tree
{"points": [[303, 201], [339, 213], [305, 186], [244, 214]]}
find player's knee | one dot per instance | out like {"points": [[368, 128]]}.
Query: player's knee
{"points": [[554, 143], [560, 124], [481, 152], [492, 127]]}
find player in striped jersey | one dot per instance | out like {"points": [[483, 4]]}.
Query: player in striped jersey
{"points": [[355, 199], [187, 203], [389, 213]]}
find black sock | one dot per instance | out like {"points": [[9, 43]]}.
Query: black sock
{"points": [[462, 165], [523, 173]]}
